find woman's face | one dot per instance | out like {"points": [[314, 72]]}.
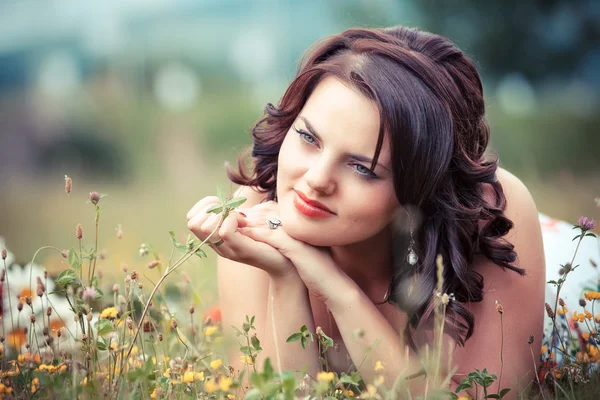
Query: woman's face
{"points": [[326, 157]]}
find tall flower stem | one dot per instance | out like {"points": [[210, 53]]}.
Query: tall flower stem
{"points": [[12, 321], [167, 272]]}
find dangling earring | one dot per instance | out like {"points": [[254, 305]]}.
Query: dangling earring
{"points": [[411, 257]]}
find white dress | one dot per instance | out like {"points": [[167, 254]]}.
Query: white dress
{"points": [[559, 249]]}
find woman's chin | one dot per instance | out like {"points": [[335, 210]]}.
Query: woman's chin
{"points": [[305, 235]]}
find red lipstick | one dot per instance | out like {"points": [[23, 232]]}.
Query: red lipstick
{"points": [[311, 208]]}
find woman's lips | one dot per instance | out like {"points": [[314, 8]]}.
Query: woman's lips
{"points": [[308, 209]]}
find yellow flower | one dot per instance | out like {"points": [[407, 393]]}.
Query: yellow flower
{"points": [[371, 390], [35, 382], [379, 380], [588, 314], [199, 376], [544, 349], [153, 395], [349, 393], [379, 366], [216, 364], [109, 313], [325, 376], [211, 330], [585, 336], [224, 383], [188, 377], [246, 359], [230, 396], [210, 386], [464, 398], [562, 311]]}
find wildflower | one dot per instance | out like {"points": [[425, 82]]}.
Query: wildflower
{"points": [[134, 275], [192, 309], [561, 302], [68, 184], [530, 339], [32, 318], [544, 349], [109, 313], [153, 264], [225, 383], [582, 302], [35, 383], [585, 336], [325, 376], [143, 249], [214, 313], [188, 377], [588, 315], [4, 254], [349, 393], [89, 294], [578, 317], [379, 366], [445, 298], [246, 359], [379, 380], [173, 324], [549, 311], [199, 376], [216, 364], [210, 386], [94, 197], [210, 330], [371, 390], [586, 224], [499, 307]]}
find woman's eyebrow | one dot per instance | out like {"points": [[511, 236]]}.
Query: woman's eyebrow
{"points": [[354, 156]]}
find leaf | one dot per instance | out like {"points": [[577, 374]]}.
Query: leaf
{"points": [[268, 369], [493, 396], [221, 194], [95, 282], [255, 343], [200, 253], [348, 380], [104, 326], [61, 291], [66, 277], [217, 208], [246, 349], [74, 261], [552, 282], [504, 391], [590, 234], [463, 386], [294, 337], [235, 202], [101, 345], [253, 394], [252, 320], [303, 342], [303, 328]]}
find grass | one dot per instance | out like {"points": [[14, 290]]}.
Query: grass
{"points": [[90, 333]]}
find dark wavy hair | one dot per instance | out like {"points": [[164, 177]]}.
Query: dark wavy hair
{"points": [[430, 101]]}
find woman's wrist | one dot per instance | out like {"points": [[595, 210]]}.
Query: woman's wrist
{"points": [[343, 293]]}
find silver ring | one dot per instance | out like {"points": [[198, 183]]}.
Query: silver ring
{"points": [[218, 243], [273, 223]]}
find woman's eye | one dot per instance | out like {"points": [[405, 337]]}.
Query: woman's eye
{"points": [[364, 172], [305, 136]]}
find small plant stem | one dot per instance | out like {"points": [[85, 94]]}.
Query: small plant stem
{"points": [[80, 263], [31, 264], [168, 271], [93, 268], [501, 351], [12, 321], [275, 339]]}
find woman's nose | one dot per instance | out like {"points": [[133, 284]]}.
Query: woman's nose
{"points": [[321, 177]]}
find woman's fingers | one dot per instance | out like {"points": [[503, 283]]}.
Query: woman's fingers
{"points": [[202, 204]]}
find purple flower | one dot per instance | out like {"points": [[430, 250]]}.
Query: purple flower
{"points": [[94, 197], [586, 224], [89, 294]]}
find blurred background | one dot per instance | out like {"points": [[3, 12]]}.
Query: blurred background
{"points": [[144, 100]]}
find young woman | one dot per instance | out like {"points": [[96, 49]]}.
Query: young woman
{"points": [[372, 165]]}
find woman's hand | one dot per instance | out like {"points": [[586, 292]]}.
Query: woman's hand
{"points": [[321, 275], [236, 246]]}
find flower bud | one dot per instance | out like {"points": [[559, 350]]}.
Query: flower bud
{"points": [[79, 231], [89, 317], [64, 254], [173, 324], [2, 275], [59, 332], [499, 307], [549, 311], [160, 337], [94, 197], [32, 318], [20, 306], [45, 330], [582, 302], [192, 309], [134, 275], [140, 285], [530, 339], [129, 323], [28, 300], [116, 288], [4, 254], [49, 311], [124, 267], [561, 302], [68, 184], [153, 264]]}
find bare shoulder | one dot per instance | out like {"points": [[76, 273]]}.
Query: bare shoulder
{"points": [[522, 297]]}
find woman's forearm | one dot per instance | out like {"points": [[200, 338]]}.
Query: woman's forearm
{"points": [[379, 341], [288, 309]]}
